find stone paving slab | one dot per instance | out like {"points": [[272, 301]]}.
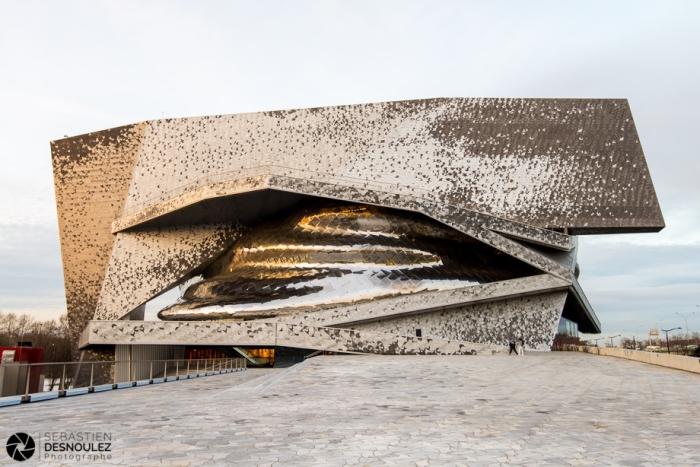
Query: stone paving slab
{"points": [[555, 409]]}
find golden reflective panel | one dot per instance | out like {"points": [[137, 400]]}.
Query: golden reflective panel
{"points": [[331, 253]]}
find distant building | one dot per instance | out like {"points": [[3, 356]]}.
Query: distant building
{"points": [[427, 226]]}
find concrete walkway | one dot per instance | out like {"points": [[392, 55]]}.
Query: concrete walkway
{"points": [[541, 409]]}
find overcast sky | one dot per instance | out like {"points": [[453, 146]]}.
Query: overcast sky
{"points": [[69, 68]]}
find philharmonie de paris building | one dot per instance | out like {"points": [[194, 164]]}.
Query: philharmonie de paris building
{"points": [[437, 226]]}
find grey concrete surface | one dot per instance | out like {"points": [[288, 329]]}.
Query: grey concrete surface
{"points": [[541, 409]]}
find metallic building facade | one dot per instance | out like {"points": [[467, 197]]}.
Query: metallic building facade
{"points": [[356, 227], [338, 254]]}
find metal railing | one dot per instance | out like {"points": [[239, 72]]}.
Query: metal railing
{"points": [[252, 359], [82, 377]]}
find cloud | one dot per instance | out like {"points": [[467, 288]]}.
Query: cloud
{"points": [[31, 275], [631, 284], [76, 67]]}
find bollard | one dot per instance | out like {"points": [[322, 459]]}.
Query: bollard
{"points": [[92, 373], [26, 389], [63, 379]]}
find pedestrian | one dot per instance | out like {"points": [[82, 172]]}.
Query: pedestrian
{"points": [[521, 346], [511, 344]]}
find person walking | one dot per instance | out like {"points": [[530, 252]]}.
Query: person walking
{"points": [[521, 346], [511, 344]]}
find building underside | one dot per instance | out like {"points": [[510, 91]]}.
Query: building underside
{"points": [[437, 226]]}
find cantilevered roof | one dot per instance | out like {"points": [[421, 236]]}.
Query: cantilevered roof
{"points": [[517, 167], [553, 163]]}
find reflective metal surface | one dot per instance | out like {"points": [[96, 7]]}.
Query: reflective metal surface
{"points": [[338, 254]]}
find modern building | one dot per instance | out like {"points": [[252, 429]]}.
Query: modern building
{"points": [[426, 226]]}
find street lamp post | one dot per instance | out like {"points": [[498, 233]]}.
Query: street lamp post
{"points": [[687, 336], [611, 339], [668, 346]]}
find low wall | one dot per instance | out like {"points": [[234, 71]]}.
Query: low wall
{"points": [[677, 362]]}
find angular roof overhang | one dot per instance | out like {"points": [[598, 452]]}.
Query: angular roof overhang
{"points": [[496, 169]]}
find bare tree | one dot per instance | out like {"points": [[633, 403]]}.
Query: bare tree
{"points": [[50, 335]]}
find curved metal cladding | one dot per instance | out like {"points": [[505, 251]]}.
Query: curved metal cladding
{"points": [[146, 207], [330, 254]]}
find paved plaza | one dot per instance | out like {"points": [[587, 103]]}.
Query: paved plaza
{"points": [[541, 409]]}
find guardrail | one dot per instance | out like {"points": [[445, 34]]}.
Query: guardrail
{"points": [[41, 381], [677, 362]]}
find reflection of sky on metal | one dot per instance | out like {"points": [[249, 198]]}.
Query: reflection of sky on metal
{"points": [[350, 286], [339, 254]]}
